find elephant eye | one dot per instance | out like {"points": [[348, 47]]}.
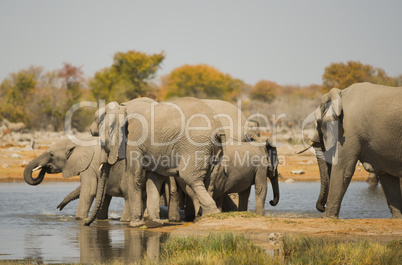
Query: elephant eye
{"points": [[51, 153]]}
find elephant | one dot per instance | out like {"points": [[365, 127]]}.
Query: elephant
{"points": [[164, 139], [71, 159], [361, 122], [237, 129], [247, 164]]}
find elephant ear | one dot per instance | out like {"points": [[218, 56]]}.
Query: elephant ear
{"points": [[78, 161], [331, 121], [112, 132]]}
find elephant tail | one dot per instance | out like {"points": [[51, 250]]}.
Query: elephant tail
{"points": [[100, 194], [75, 194]]}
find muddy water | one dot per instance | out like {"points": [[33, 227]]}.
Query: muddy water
{"points": [[32, 228]]}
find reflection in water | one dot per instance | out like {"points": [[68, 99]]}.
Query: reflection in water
{"points": [[103, 242], [35, 229]]}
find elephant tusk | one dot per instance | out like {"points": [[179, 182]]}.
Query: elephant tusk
{"points": [[305, 149], [36, 168], [100, 167]]}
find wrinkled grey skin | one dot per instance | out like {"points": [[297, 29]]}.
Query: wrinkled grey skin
{"points": [[362, 122], [247, 165], [149, 126], [237, 128], [116, 186], [72, 160]]}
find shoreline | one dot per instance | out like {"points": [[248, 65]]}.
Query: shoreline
{"points": [[13, 160]]}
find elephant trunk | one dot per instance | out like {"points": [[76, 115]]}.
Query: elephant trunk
{"points": [[100, 194], [70, 197], [34, 165], [325, 171], [275, 189]]}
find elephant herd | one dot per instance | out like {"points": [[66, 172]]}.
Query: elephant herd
{"points": [[197, 147], [199, 151]]}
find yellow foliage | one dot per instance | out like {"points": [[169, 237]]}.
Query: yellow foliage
{"points": [[201, 81]]}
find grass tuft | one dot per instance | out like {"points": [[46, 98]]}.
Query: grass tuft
{"points": [[323, 250]]}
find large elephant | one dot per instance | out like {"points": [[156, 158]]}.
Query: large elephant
{"points": [[362, 122], [164, 139], [71, 159]]}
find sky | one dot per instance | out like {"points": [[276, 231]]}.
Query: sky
{"points": [[289, 42]]}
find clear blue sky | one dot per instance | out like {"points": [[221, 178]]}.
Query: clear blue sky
{"points": [[290, 42]]}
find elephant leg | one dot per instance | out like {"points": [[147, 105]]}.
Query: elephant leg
{"points": [[243, 200], [153, 185], [136, 182], [339, 182], [392, 190], [189, 211], [173, 200], [104, 210], [230, 202], [125, 216], [260, 190], [87, 196], [207, 204]]}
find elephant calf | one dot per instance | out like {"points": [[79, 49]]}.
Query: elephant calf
{"points": [[246, 164], [71, 159]]}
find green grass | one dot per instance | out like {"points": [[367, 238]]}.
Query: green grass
{"points": [[221, 248], [225, 215], [229, 248], [323, 250]]}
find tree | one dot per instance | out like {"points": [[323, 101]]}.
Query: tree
{"points": [[15, 93], [201, 81], [342, 75], [128, 77], [72, 76], [265, 91]]}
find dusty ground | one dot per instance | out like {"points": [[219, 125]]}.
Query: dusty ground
{"points": [[265, 231]]}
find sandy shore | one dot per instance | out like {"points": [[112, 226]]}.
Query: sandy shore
{"points": [[14, 158]]}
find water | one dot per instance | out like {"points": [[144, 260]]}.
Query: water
{"points": [[32, 228]]}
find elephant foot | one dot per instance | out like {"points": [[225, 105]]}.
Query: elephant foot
{"points": [[79, 218], [330, 216], [136, 223], [124, 219], [396, 216], [210, 210], [174, 219], [153, 223]]}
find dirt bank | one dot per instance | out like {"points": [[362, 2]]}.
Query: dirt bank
{"points": [[264, 231]]}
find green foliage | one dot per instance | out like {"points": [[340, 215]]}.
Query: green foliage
{"points": [[341, 75], [15, 93], [201, 81], [41, 100], [127, 78]]}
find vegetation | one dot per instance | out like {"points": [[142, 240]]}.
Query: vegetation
{"points": [[322, 250], [41, 99], [229, 248], [342, 75], [127, 78], [221, 248], [201, 81]]}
